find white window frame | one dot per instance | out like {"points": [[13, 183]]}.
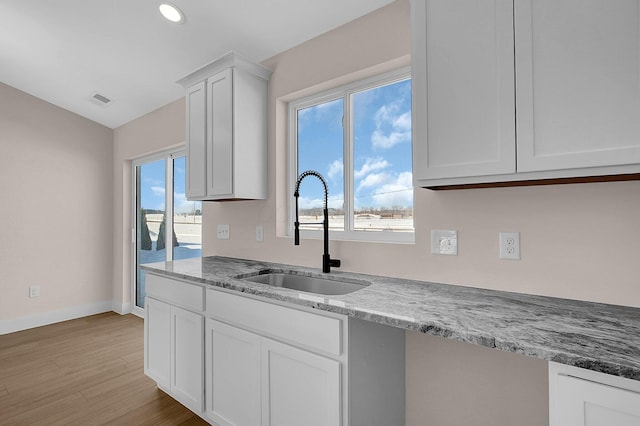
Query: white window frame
{"points": [[168, 155], [343, 92]]}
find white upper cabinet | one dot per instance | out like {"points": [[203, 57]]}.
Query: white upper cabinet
{"points": [[463, 113], [226, 103], [575, 110], [578, 85], [196, 101]]}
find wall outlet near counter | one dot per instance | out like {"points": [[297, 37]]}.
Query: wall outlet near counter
{"points": [[259, 233], [223, 232], [509, 245], [34, 291], [444, 242]]}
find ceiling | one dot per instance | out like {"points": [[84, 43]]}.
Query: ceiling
{"points": [[64, 51]]}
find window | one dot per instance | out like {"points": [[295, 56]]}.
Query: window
{"points": [[160, 204], [359, 138]]}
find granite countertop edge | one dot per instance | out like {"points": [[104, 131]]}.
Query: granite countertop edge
{"points": [[595, 336]]}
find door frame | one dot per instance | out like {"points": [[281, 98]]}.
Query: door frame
{"points": [[168, 155]]}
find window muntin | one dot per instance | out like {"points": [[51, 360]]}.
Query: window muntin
{"points": [[359, 138]]}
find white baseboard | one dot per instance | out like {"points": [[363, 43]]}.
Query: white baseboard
{"points": [[121, 308], [38, 320]]}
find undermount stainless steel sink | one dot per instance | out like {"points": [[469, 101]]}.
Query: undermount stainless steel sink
{"points": [[307, 284]]}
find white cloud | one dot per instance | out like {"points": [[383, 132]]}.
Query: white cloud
{"points": [[403, 122], [397, 192], [385, 190], [323, 112], [182, 205], [158, 190], [335, 170], [392, 126], [385, 141], [371, 165], [335, 201], [373, 180], [308, 203]]}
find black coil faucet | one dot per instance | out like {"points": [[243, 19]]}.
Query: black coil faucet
{"points": [[327, 262]]}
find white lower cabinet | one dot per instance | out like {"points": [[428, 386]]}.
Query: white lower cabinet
{"points": [[580, 397], [272, 364], [233, 375], [252, 380], [187, 378], [157, 342], [299, 387], [248, 361], [174, 344]]}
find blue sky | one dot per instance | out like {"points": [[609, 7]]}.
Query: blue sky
{"points": [[152, 188], [382, 148]]}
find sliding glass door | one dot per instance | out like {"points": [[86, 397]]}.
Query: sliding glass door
{"points": [[167, 226]]}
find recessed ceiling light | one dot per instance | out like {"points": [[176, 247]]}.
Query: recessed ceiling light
{"points": [[171, 12]]}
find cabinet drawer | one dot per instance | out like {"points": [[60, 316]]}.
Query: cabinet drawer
{"points": [[176, 292], [292, 325]]}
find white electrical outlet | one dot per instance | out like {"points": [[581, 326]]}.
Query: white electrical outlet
{"points": [[223, 232], [259, 233], [509, 245], [34, 291], [444, 242]]}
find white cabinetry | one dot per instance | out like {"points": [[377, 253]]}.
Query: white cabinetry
{"points": [[271, 364], [226, 102], [302, 387], [174, 352], [233, 375], [578, 91], [462, 74], [580, 397], [196, 104], [157, 339], [575, 108]]}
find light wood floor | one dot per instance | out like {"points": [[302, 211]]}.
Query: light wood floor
{"points": [[87, 371]]}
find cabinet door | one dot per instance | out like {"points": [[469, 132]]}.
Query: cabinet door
{"points": [[157, 347], [586, 403], [233, 375], [463, 88], [578, 91], [196, 101], [298, 387], [220, 134], [187, 378]]}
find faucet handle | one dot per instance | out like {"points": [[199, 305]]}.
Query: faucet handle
{"points": [[328, 262]]}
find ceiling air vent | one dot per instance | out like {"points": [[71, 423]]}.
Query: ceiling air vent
{"points": [[100, 99]]}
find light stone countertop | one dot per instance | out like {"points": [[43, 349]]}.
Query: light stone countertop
{"points": [[595, 336]]}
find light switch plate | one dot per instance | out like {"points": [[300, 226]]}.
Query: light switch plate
{"points": [[444, 242], [259, 233], [223, 232], [34, 291]]}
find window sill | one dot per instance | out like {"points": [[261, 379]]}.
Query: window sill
{"points": [[375, 237]]}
